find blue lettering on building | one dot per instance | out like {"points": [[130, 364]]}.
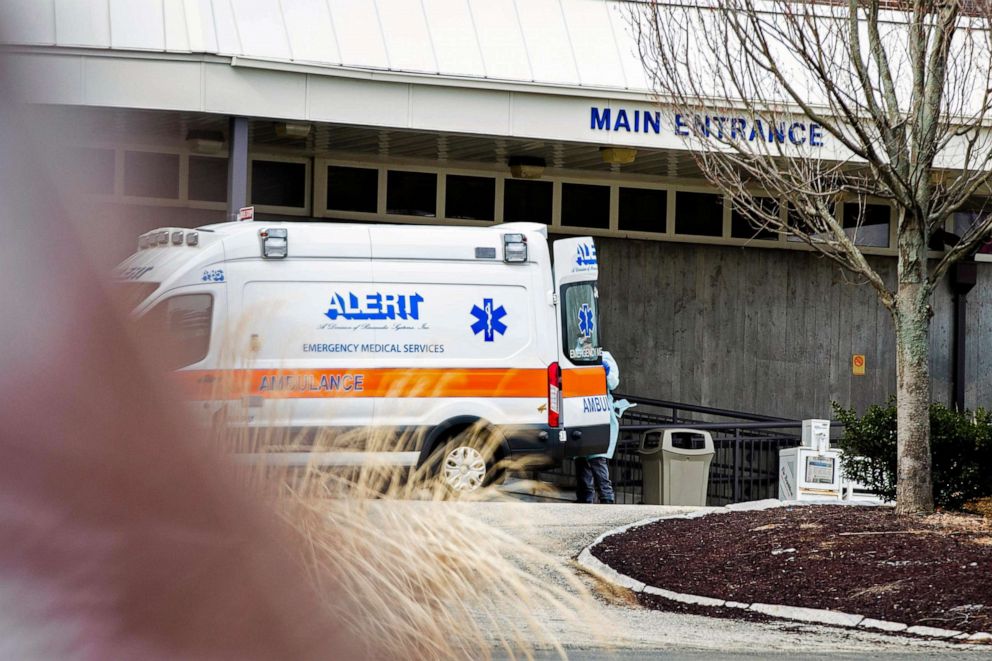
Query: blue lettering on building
{"points": [[600, 120], [708, 126], [622, 122], [377, 306], [816, 135], [652, 120], [797, 133]]}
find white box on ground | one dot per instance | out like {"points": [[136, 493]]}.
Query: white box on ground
{"points": [[861, 493], [808, 474]]}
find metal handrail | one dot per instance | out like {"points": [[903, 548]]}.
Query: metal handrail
{"points": [[706, 410], [792, 424]]}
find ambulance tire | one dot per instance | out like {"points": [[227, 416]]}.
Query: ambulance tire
{"points": [[466, 461]]}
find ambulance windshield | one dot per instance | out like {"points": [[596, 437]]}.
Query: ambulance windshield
{"points": [[581, 322], [179, 328], [130, 294]]}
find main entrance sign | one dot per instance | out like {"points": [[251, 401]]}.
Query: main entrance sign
{"points": [[721, 127]]}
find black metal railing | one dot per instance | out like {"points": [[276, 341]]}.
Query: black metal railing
{"points": [[745, 463]]}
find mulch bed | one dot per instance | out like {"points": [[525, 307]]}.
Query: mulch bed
{"points": [[932, 571]]}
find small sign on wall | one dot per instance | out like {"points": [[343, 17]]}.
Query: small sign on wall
{"points": [[858, 365]]}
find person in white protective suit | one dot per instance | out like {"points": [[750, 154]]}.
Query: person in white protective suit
{"points": [[592, 473]]}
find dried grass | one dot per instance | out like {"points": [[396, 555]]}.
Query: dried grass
{"points": [[982, 506], [877, 590], [407, 573], [954, 523]]}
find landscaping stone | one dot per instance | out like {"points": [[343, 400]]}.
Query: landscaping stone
{"points": [[753, 505], [684, 598], [932, 632], [816, 615], [883, 625]]}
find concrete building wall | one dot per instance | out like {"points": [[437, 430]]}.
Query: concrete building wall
{"points": [[768, 331]]}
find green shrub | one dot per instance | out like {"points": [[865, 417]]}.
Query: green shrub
{"points": [[960, 451]]}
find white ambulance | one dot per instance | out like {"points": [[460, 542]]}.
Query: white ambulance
{"points": [[423, 329]]}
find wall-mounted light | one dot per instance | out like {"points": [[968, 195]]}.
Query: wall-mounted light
{"points": [[292, 130], [618, 155], [205, 142], [526, 167]]}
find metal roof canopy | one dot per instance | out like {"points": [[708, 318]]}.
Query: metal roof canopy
{"points": [[573, 43]]}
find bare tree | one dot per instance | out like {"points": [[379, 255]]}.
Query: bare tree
{"points": [[811, 104]]}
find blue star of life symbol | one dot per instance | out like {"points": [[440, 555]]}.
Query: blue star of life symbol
{"points": [[585, 320], [488, 320]]}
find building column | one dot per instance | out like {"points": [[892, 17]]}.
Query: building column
{"points": [[237, 167]]}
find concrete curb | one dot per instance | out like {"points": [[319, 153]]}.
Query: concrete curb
{"points": [[811, 615]]}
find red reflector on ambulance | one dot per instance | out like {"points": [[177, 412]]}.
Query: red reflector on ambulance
{"points": [[554, 395]]}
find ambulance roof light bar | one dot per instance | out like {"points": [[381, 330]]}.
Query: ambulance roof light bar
{"points": [[168, 237], [514, 248]]}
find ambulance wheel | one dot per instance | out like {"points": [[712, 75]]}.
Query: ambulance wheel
{"points": [[467, 462]]}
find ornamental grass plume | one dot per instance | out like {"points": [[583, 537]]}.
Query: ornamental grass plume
{"points": [[402, 562]]}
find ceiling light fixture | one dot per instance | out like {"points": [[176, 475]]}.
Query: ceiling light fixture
{"points": [[205, 142], [526, 167], [618, 155]]}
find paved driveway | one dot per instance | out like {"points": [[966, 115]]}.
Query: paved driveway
{"points": [[626, 631]]}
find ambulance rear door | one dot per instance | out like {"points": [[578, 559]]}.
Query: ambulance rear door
{"points": [[585, 413]]}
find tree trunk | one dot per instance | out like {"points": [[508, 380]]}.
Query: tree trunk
{"points": [[914, 490]]}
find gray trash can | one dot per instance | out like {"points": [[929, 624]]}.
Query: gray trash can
{"points": [[676, 466]]}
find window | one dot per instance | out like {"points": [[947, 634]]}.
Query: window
{"points": [[148, 174], [527, 201], [411, 193], [795, 219], [975, 212], [279, 183], [207, 179], [699, 214], [874, 223], [352, 189], [583, 205], [130, 294], [179, 329], [642, 209], [581, 322], [92, 170], [742, 227], [471, 198]]}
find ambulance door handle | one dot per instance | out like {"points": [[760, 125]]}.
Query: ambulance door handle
{"points": [[576, 434]]}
